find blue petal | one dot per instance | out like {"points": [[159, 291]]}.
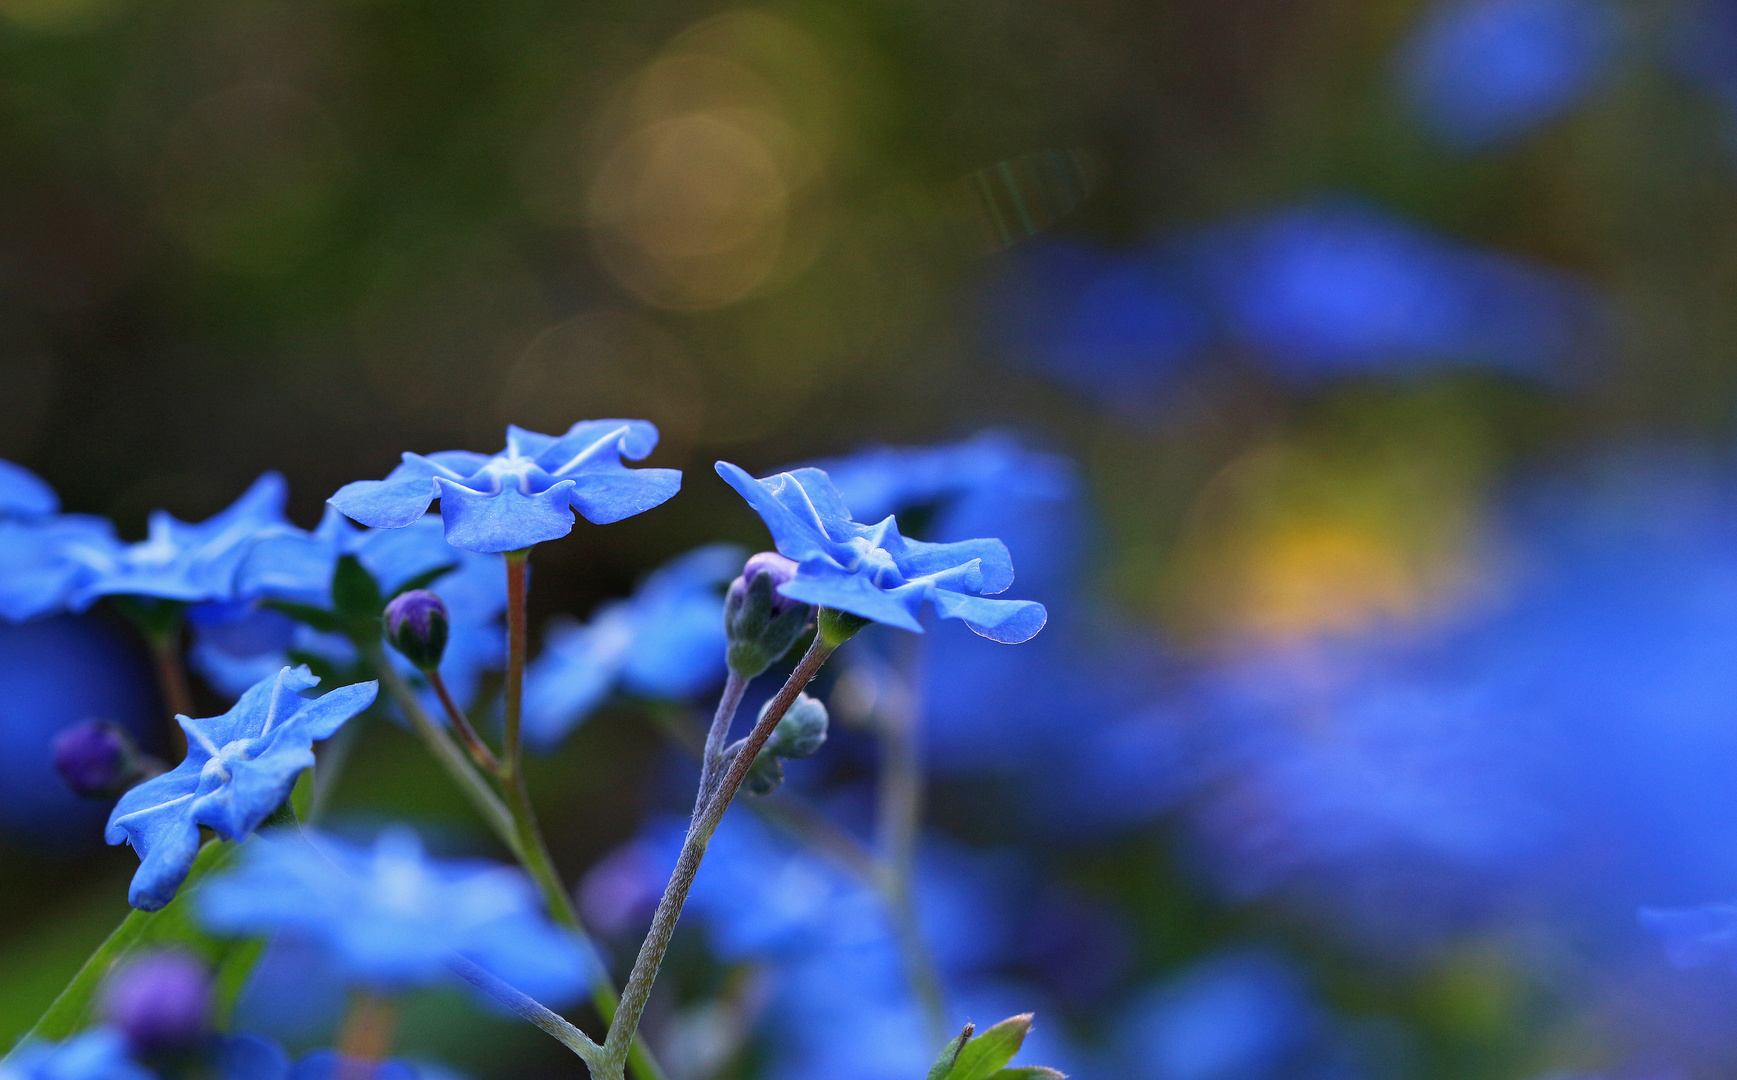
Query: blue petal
{"points": [[156, 819], [394, 502], [793, 519], [632, 439], [24, 494], [822, 582], [394, 556], [289, 567], [577, 669], [606, 497], [993, 573], [506, 521], [1006, 621], [251, 1057], [1697, 936], [321, 718], [43, 563]]}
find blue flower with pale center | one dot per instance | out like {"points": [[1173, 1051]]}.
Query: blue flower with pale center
{"points": [[390, 917], [182, 561], [1484, 72], [239, 768], [23, 494], [97, 1054], [873, 572], [665, 641], [526, 493]]}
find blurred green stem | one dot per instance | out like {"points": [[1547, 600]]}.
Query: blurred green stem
{"points": [[623, 1029], [516, 633]]}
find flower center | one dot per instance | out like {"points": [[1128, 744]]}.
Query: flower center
{"points": [[877, 563]]}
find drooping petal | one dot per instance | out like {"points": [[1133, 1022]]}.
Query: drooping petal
{"points": [[822, 582], [24, 494], [506, 521], [632, 439], [606, 496], [1007, 621], [994, 569], [798, 535], [394, 502]]}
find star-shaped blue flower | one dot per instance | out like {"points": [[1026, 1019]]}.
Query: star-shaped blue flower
{"points": [[389, 917], [666, 641], [872, 571], [239, 768], [182, 561], [23, 494], [526, 493]]}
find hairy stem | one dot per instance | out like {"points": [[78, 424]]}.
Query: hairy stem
{"points": [[515, 692], [528, 1008], [899, 811], [479, 750], [669, 908], [718, 735]]}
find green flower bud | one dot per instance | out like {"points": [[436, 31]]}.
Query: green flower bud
{"points": [[760, 622], [802, 731]]}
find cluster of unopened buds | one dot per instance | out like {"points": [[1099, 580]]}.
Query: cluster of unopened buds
{"points": [[310, 630]]}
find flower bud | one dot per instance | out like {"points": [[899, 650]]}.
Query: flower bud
{"points": [[416, 625], [161, 1001], [98, 759], [764, 775], [802, 731], [762, 623]]}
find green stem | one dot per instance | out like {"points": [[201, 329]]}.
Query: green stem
{"points": [[479, 750], [651, 953], [712, 760]]}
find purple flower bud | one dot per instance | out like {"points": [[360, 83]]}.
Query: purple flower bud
{"points": [[161, 1001], [761, 622], [416, 625], [99, 760]]}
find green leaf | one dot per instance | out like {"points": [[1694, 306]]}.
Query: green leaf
{"points": [[983, 1056], [355, 593], [1028, 1072], [425, 579], [302, 795], [174, 926], [320, 619], [950, 1053]]}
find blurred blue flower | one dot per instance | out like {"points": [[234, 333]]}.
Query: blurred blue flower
{"points": [[1696, 936], [1116, 326], [44, 562], [239, 768], [1339, 288], [390, 917], [298, 566], [97, 1054], [23, 494], [181, 561], [247, 1056], [526, 493], [873, 572], [665, 641], [1480, 73], [1244, 1014], [331, 1065], [59, 672]]}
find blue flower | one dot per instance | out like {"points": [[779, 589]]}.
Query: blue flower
{"points": [[239, 768], [1484, 72], [666, 641], [23, 494], [43, 562], [873, 572], [389, 917], [191, 562], [1339, 288], [526, 493], [97, 1054]]}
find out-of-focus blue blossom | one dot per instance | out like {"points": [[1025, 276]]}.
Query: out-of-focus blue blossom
{"points": [[331, 1065], [160, 1001], [1480, 73], [59, 672], [523, 495], [1697, 936], [239, 768], [873, 572], [1116, 326], [1340, 288], [23, 494], [44, 562], [248, 1056], [665, 641], [1240, 1015], [390, 917], [182, 561], [296, 994], [298, 566], [97, 1054]]}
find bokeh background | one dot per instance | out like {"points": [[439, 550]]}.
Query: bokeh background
{"points": [[1379, 356]]}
